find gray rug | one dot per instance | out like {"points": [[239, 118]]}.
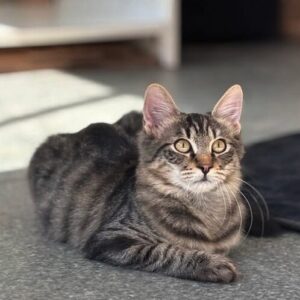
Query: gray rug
{"points": [[34, 268]]}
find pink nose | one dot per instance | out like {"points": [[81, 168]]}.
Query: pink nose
{"points": [[204, 162], [205, 169]]}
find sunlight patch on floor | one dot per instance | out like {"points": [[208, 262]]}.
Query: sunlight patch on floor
{"points": [[19, 140], [27, 92], [36, 104]]}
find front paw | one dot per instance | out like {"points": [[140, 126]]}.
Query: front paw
{"points": [[220, 269]]}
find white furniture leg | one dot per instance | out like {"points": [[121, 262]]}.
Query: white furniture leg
{"points": [[168, 42]]}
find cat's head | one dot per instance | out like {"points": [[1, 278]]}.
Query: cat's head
{"points": [[193, 152]]}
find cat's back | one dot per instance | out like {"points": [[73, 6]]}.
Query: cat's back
{"points": [[100, 144], [70, 174]]}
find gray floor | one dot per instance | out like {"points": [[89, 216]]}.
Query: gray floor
{"points": [[33, 268], [35, 104]]}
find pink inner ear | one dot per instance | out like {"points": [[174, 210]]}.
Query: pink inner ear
{"points": [[229, 107], [154, 107], [159, 108], [230, 111]]}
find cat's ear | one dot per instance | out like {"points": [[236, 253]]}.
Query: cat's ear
{"points": [[229, 108], [159, 109]]}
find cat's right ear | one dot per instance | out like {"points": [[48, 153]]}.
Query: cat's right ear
{"points": [[159, 109]]}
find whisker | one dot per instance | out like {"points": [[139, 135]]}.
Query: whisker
{"points": [[187, 172], [260, 212], [240, 211], [251, 213], [202, 201], [260, 196], [228, 196], [225, 205], [187, 177]]}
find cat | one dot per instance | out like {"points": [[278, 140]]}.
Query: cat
{"points": [[156, 191]]}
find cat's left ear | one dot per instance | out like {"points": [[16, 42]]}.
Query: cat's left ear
{"points": [[229, 108]]}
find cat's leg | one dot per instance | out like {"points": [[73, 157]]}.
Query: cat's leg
{"points": [[162, 257]]}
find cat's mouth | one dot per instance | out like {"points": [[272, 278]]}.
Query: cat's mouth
{"points": [[206, 181], [202, 182], [204, 178], [203, 185]]}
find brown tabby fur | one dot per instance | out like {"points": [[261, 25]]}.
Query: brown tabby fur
{"points": [[122, 194]]}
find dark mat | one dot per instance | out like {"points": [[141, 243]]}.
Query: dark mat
{"points": [[273, 168]]}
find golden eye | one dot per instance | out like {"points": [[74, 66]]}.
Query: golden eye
{"points": [[219, 146], [182, 146]]}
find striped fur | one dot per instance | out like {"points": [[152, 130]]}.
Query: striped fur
{"points": [[110, 191]]}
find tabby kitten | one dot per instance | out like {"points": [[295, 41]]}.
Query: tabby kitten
{"points": [[156, 192]]}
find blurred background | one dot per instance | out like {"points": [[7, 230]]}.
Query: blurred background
{"points": [[67, 63]]}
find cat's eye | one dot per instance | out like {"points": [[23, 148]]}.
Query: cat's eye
{"points": [[219, 146], [182, 146]]}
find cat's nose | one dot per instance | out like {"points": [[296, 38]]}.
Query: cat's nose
{"points": [[205, 169], [205, 162]]}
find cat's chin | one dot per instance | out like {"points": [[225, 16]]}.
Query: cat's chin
{"points": [[202, 186]]}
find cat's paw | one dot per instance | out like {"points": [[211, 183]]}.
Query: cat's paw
{"points": [[220, 269]]}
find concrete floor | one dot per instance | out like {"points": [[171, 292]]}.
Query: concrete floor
{"points": [[36, 104], [33, 268]]}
